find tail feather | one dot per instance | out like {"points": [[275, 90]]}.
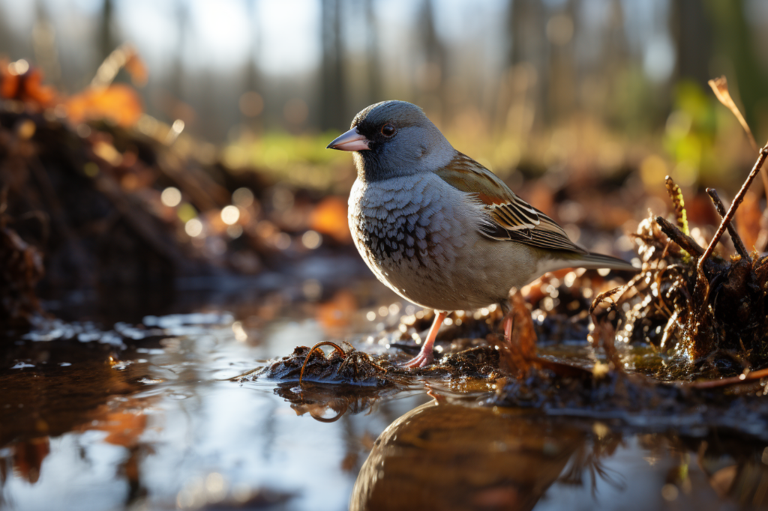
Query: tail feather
{"points": [[590, 260], [596, 261]]}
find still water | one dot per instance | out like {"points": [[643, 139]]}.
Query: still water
{"points": [[143, 415]]}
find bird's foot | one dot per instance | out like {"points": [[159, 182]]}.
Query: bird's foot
{"points": [[420, 360], [425, 356]]}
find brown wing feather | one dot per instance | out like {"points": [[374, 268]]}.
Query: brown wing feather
{"points": [[510, 217]]}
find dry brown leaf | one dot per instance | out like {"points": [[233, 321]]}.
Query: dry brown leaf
{"points": [[519, 350], [26, 87], [338, 311], [118, 103], [330, 217], [720, 88]]}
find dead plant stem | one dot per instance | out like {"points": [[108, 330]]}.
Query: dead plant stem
{"points": [[734, 205], [737, 243]]}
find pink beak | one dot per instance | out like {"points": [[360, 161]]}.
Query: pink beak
{"points": [[352, 140]]}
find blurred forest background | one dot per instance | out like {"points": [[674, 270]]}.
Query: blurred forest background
{"points": [[603, 82], [207, 134]]}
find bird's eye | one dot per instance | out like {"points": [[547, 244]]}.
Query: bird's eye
{"points": [[387, 130]]}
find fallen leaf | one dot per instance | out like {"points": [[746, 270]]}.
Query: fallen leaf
{"points": [[118, 103], [26, 87], [330, 217]]}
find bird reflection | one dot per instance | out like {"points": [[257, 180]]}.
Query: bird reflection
{"points": [[450, 456], [453, 456]]}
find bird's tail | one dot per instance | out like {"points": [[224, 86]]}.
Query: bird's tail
{"points": [[596, 261], [589, 260]]}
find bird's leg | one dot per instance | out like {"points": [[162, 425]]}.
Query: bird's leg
{"points": [[425, 356], [509, 320]]}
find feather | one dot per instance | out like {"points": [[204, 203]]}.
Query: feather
{"points": [[509, 218]]}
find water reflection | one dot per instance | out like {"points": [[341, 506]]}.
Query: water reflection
{"points": [[150, 420], [328, 403], [154, 422], [451, 456]]}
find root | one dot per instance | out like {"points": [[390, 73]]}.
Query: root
{"points": [[317, 346]]}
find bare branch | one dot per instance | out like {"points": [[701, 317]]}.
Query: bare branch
{"points": [[683, 240], [740, 248], [734, 206]]}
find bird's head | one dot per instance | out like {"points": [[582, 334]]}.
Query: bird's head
{"points": [[394, 139]]}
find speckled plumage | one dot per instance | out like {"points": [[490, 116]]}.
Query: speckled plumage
{"points": [[437, 227], [408, 239]]}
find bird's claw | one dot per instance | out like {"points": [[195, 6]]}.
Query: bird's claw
{"points": [[420, 360]]}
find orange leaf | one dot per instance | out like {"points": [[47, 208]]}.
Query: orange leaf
{"points": [[118, 103], [338, 311], [330, 217], [25, 86], [9, 83]]}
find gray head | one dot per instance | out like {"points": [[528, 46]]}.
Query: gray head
{"points": [[393, 139]]}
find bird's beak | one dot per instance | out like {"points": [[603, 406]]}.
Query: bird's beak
{"points": [[350, 141]]}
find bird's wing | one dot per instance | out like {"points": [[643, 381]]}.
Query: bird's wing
{"points": [[510, 217]]}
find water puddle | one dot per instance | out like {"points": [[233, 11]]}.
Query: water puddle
{"points": [[145, 416]]}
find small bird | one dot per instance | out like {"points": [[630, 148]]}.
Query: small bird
{"points": [[438, 228]]}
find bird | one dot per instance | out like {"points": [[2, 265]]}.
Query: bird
{"points": [[440, 229]]}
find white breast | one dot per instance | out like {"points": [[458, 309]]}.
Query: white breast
{"points": [[420, 237]]}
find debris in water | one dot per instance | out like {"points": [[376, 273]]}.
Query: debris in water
{"points": [[708, 314], [350, 367]]}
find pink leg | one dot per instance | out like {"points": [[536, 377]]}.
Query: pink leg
{"points": [[425, 357], [508, 322]]}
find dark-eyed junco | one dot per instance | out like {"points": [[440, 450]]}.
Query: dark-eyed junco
{"points": [[438, 228]]}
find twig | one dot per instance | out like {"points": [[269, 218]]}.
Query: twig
{"points": [[604, 330], [734, 206], [600, 298], [312, 350], [710, 384], [740, 248], [115, 61], [683, 241]]}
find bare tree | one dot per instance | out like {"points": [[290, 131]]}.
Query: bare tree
{"points": [[107, 41], [735, 39], [373, 63], [333, 114], [432, 73], [692, 33], [526, 26], [182, 23]]}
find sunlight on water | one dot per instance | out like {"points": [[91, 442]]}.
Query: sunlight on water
{"points": [[157, 424]]}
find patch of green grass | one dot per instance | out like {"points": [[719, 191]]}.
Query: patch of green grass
{"points": [[301, 160]]}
